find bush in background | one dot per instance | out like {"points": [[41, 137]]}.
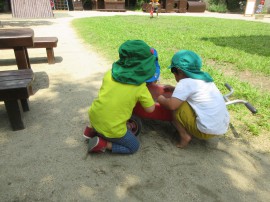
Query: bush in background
{"points": [[223, 6], [217, 6]]}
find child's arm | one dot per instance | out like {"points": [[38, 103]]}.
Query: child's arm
{"points": [[149, 109], [146, 100], [168, 88], [169, 103]]}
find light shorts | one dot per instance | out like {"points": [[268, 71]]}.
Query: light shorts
{"points": [[187, 117]]}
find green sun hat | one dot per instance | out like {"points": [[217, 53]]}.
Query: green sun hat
{"points": [[136, 63], [190, 63]]}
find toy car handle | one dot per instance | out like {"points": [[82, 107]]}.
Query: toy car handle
{"points": [[228, 87], [247, 104], [226, 97], [251, 108]]}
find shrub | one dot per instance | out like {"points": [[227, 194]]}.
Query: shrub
{"points": [[223, 6], [220, 8]]}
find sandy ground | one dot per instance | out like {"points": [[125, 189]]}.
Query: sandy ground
{"points": [[46, 161]]}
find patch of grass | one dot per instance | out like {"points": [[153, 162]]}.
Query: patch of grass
{"points": [[243, 44]]}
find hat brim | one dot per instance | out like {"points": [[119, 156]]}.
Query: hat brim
{"points": [[137, 74]]}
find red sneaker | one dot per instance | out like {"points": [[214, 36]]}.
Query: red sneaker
{"points": [[89, 132], [97, 145]]}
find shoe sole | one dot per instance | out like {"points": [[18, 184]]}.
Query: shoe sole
{"points": [[86, 136], [92, 143]]}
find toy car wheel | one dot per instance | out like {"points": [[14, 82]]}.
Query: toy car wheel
{"points": [[134, 124]]}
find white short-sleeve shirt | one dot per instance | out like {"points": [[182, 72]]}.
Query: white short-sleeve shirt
{"points": [[207, 102]]}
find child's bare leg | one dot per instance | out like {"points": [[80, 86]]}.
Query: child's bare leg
{"points": [[185, 138]]}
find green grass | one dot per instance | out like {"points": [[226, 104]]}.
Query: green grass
{"points": [[244, 45]]}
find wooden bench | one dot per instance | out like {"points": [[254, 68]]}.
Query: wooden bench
{"points": [[38, 42], [15, 89], [49, 43]]}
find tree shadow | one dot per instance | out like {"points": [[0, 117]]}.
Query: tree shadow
{"points": [[35, 60], [249, 44]]}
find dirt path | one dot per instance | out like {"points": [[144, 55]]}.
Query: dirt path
{"points": [[46, 161]]}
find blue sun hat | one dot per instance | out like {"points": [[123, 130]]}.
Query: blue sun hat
{"points": [[157, 73], [190, 63]]}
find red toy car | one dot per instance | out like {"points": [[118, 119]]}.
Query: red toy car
{"points": [[160, 113]]}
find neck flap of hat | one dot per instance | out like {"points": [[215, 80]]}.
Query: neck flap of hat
{"points": [[136, 63]]}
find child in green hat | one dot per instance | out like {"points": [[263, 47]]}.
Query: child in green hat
{"points": [[199, 107], [122, 87]]}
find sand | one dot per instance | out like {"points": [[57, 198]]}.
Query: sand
{"points": [[46, 161]]}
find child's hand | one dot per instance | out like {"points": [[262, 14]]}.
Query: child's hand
{"points": [[160, 98], [168, 88]]}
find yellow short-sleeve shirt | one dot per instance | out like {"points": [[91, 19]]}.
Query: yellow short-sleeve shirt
{"points": [[112, 108]]}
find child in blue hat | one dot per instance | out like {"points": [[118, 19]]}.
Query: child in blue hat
{"points": [[199, 107], [122, 87]]}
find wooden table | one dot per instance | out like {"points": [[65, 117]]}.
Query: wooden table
{"points": [[18, 40]]}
